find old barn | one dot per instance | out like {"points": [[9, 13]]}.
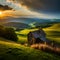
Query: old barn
{"points": [[37, 36]]}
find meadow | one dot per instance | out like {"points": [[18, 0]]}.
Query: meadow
{"points": [[10, 50], [52, 33]]}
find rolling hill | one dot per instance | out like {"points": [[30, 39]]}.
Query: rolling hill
{"points": [[13, 51], [16, 25], [56, 26], [53, 32], [30, 20], [10, 50]]}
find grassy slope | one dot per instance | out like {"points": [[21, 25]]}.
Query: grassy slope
{"points": [[53, 33], [13, 51]]}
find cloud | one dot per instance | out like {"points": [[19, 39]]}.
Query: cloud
{"points": [[33, 8], [41, 5], [5, 7]]}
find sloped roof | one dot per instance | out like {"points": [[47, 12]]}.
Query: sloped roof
{"points": [[36, 34]]}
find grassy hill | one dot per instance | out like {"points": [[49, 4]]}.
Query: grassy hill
{"points": [[13, 51], [10, 50], [52, 33], [17, 25]]}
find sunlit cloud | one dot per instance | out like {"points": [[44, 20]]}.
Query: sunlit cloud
{"points": [[21, 10]]}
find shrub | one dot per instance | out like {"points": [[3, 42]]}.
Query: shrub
{"points": [[8, 33]]}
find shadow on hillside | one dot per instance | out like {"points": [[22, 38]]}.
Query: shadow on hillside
{"points": [[54, 33]]}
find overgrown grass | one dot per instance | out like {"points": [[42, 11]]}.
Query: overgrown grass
{"points": [[14, 51]]}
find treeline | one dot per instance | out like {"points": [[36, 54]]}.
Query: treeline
{"points": [[8, 33]]}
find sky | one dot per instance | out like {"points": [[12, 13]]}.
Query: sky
{"points": [[49, 9]]}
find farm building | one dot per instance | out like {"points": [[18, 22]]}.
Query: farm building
{"points": [[37, 36]]}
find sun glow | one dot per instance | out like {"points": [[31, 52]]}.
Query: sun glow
{"points": [[1, 13]]}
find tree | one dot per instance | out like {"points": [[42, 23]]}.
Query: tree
{"points": [[2, 31], [10, 34]]}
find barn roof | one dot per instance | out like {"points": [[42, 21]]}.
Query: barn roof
{"points": [[36, 34]]}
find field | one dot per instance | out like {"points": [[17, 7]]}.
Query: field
{"points": [[10, 50], [13, 51], [52, 33]]}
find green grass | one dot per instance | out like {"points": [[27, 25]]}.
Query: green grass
{"points": [[13, 51], [22, 35], [10, 50], [52, 33]]}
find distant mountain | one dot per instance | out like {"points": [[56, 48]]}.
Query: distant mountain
{"points": [[31, 20], [17, 25], [43, 25]]}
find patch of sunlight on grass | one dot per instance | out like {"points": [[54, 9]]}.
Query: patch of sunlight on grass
{"points": [[50, 29], [26, 31], [12, 44], [22, 39], [54, 39], [53, 32], [55, 27]]}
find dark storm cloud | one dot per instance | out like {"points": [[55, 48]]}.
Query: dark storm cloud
{"points": [[42, 5], [5, 7]]}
